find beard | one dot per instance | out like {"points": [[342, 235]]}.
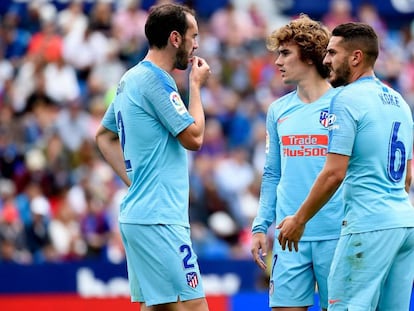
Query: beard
{"points": [[340, 76], [181, 58]]}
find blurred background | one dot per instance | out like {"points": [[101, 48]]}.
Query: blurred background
{"points": [[60, 62]]}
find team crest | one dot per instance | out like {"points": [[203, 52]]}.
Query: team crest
{"points": [[177, 102], [327, 119], [324, 118], [192, 279]]}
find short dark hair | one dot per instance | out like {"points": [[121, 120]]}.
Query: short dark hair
{"points": [[359, 36], [162, 20]]}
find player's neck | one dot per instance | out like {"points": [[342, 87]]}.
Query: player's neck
{"points": [[369, 72], [160, 58], [310, 91]]}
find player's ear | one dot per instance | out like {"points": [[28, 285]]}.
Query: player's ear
{"points": [[175, 39], [356, 57]]}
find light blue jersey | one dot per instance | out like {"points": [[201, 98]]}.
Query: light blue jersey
{"points": [[373, 125], [296, 148], [148, 114]]}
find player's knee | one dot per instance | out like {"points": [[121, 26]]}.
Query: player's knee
{"points": [[195, 305]]}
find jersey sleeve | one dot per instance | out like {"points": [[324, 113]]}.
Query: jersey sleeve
{"points": [[271, 176], [410, 149], [343, 129], [109, 120], [166, 103]]}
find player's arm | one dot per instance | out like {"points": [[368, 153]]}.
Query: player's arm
{"points": [[266, 213], [192, 137], [408, 177], [108, 144], [328, 181]]}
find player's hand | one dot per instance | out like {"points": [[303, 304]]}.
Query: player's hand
{"points": [[259, 249], [290, 232], [200, 70]]}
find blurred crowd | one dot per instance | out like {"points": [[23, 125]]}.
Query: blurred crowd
{"points": [[59, 68]]}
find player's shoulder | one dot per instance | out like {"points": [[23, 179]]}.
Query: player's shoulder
{"points": [[348, 93], [283, 101], [333, 91], [331, 94], [389, 89], [145, 76], [145, 70]]}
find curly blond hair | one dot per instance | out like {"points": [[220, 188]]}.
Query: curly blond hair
{"points": [[311, 36]]}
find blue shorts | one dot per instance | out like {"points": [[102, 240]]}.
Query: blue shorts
{"points": [[162, 266], [373, 271], [295, 275]]}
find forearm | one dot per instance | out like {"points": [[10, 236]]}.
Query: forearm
{"points": [[192, 137], [196, 110], [266, 213], [110, 148], [323, 189], [408, 177], [113, 155]]}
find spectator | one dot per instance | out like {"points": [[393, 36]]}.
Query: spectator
{"points": [[11, 153], [367, 13], [214, 140], [101, 17], [72, 124], [95, 227], [105, 75], [31, 17], [12, 235], [47, 43], [14, 39], [233, 176], [97, 110], [37, 231], [38, 117], [340, 11], [84, 50], [215, 96], [61, 83], [233, 27], [128, 30], [29, 79], [72, 19], [66, 236]]}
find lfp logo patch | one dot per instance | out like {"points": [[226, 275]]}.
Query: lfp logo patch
{"points": [[192, 279], [177, 102]]}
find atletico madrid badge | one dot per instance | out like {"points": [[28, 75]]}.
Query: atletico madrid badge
{"points": [[192, 279], [324, 118]]}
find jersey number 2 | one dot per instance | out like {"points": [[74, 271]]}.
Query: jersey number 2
{"points": [[121, 130], [186, 249]]}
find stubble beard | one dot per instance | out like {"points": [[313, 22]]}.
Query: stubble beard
{"points": [[181, 58], [341, 76]]}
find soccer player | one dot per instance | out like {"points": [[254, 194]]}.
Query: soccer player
{"points": [[144, 136], [370, 152], [296, 147]]}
